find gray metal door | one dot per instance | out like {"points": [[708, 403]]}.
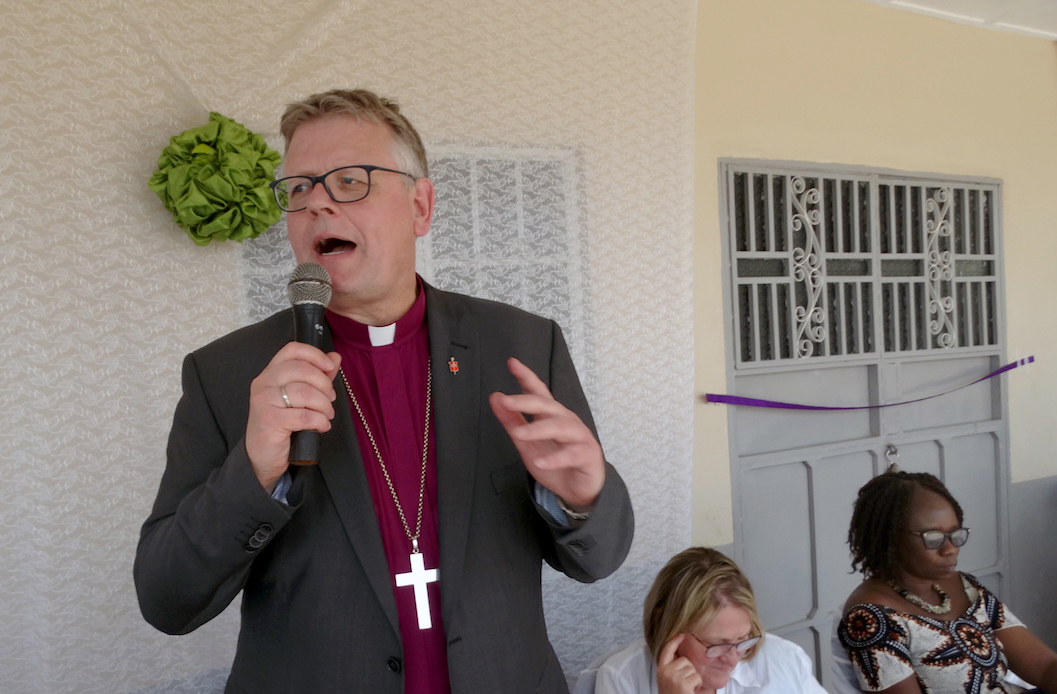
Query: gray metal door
{"points": [[850, 287]]}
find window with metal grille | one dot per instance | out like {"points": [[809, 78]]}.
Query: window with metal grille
{"points": [[832, 264]]}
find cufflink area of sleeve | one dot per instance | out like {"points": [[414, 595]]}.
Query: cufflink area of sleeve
{"points": [[260, 537], [580, 547]]}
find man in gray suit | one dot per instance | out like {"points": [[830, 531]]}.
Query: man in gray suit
{"points": [[458, 453]]}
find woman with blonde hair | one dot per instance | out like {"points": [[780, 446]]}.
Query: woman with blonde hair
{"points": [[703, 636]]}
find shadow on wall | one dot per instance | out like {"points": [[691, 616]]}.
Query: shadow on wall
{"points": [[1033, 515], [211, 682]]}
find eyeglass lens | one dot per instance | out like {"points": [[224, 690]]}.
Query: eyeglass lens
{"points": [[343, 185], [722, 649], [934, 539]]}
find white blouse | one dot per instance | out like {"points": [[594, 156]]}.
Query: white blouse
{"points": [[779, 667]]}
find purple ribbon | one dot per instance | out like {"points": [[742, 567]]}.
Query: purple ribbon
{"points": [[753, 402]]}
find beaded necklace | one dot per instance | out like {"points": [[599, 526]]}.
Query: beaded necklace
{"points": [[945, 600]]}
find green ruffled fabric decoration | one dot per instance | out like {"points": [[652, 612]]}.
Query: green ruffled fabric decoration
{"points": [[214, 179]]}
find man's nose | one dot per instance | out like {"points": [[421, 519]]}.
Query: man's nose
{"points": [[319, 198]]}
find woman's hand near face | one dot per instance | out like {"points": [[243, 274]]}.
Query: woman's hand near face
{"points": [[675, 673]]}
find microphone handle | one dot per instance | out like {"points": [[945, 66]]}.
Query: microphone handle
{"points": [[308, 328]]}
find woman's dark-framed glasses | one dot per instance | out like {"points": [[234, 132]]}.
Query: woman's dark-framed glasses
{"points": [[934, 539], [721, 649], [344, 184]]}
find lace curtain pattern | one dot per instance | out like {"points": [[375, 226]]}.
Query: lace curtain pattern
{"points": [[545, 123]]}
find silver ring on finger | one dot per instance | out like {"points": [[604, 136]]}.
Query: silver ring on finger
{"points": [[286, 398]]}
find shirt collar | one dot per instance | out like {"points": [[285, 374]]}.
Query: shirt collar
{"points": [[352, 332], [743, 675]]}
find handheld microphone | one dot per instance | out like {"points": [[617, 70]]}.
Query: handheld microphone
{"points": [[309, 291]]}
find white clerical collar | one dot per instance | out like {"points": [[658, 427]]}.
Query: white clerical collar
{"points": [[382, 335]]}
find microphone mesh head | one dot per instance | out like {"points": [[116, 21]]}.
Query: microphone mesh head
{"points": [[309, 284]]}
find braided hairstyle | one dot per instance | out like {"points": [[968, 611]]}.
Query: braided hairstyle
{"points": [[880, 512]]}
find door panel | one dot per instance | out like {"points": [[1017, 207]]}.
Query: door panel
{"points": [[780, 564], [856, 288], [766, 429]]}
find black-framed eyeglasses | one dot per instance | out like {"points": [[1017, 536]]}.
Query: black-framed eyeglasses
{"points": [[721, 649], [934, 539], [344, 184]]}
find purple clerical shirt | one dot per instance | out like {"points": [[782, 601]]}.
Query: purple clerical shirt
{"points": [[389, 382]]}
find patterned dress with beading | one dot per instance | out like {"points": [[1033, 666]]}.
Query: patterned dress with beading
{"points": [[887, 646]]}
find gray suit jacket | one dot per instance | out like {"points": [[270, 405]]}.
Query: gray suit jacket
{"points": [[318, 613]]}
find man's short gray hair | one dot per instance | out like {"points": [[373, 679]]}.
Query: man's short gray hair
{"points": [[364, 105]]}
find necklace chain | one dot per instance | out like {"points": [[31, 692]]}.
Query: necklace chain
{"points": [[385, 472], [945, 600]]}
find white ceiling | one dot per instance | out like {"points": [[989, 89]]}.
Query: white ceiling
{"points": [[1032, 17]]}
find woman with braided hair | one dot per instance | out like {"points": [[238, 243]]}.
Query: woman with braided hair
{"points": [[917, 625]]}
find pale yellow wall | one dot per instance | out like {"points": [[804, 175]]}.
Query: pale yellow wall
{"points": [[850, 82]]}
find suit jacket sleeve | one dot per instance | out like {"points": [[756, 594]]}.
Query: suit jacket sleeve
{"points": [[597, 547], [211, 516]]}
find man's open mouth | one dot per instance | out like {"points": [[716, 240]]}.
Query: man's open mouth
{"points": [[330, 246]]}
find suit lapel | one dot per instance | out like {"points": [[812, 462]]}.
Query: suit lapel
{"points": [[456, 412], [341, 466]]}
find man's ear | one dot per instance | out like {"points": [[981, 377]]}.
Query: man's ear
{"points": [[423, 202]]}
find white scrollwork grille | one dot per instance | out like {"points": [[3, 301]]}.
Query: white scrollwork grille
{"points": [[807, 268], [843, 264], [940, 266]]}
